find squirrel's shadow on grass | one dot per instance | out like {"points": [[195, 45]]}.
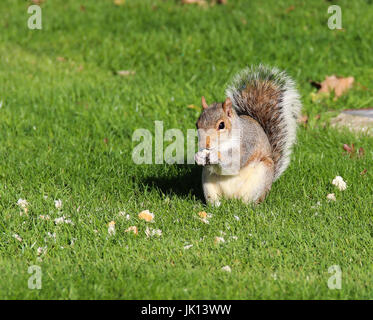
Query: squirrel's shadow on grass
{"points": [[186, 183]]}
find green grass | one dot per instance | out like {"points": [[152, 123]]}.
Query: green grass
{"points": [[66, 133]]}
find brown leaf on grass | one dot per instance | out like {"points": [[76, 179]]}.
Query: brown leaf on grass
{"points": [[119, 2], [291, 8], [361, 152], [125, 73], [350, 150], [303, 119], [363, 172], [199, 2], [192, 106], [82, 8], [337, 84], [61, 59], [37, 2]]}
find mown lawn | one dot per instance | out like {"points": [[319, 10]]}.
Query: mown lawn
{"points": [[66, 125]]}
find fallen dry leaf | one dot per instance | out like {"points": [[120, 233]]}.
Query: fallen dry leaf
{"points": [[337, 84], [291, 8], [361, 152], [146, 215], [303, 119], [349, 149], [119, 2], [192, 106], [363, 172]]}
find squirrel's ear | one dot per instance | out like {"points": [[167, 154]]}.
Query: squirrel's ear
{"points": [[227, 107], [204, 103]]}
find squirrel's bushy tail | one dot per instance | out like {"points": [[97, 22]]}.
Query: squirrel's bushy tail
{"points": [[270, 97]]}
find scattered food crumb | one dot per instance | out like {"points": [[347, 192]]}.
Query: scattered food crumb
{"points": [[219, 240], [237, 218], [16, 236], [188, 246], [111, 228], [146, 215], [202, 214], [58, 203], [41, 250], [153, 232], [331, 197], [339, 183], [23, 204], [132, 229], [227, 269], [125, 73], [62, 220], [46, 217], [51, 235]]}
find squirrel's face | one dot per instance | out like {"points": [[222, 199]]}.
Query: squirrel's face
{"points": [[214, 124]]}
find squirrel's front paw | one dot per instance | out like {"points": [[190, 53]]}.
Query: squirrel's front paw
{"points": [[201, 157], [213, 157]]}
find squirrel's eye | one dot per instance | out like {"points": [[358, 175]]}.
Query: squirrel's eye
{"points": [[221, 125]]}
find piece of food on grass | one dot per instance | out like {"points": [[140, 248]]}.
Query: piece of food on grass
{"points": [[204, 216], [153, 232], [219, 240], [23, 204], [111, 228], [132, 229], [339, 183], [16, 236], [58, 203], [227, 269], [146, 215], [331, 197]]}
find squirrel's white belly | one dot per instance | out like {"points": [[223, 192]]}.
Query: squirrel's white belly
{"points": [[248, 185]]}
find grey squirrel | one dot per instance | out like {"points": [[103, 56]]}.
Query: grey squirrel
{"points": [[245, 142]]}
